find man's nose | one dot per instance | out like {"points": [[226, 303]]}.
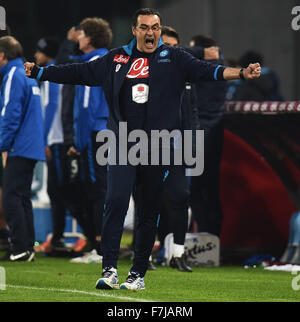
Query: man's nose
{"points": [[150, 32]]}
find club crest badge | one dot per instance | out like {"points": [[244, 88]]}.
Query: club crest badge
{"points": [[164, 53]]}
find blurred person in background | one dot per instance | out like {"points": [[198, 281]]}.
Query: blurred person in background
{"points": [[21, 144], [174, 214], [205, 189], [90, 117], [74, 192], [4, 231], [45, 54], [58, 164], [174, 210], [266, 88]]}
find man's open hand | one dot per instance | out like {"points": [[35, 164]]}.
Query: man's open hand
{"points": [[252, 71], [28, 68]]}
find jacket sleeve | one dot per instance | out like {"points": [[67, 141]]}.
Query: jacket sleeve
{"points": [[51, 108], [196, 70], [12, 111], [91, 74], [196, 51]]}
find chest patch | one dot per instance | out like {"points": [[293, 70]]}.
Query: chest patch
{"points": [[139, 68], [140, 93]]}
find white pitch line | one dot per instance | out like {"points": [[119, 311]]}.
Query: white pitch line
{"points": [[97, 294]]}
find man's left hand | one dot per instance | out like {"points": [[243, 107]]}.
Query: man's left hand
{"points": [[253, 71]]}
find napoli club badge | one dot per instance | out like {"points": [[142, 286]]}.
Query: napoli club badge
{"points": [[164, 53]]}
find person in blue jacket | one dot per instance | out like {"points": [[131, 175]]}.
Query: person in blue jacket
{"points": [[21, 144], [143, 83], [46, 51], [90, 117], [4, 232]]}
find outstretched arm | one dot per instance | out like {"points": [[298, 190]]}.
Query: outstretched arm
{"points": [[198, 70], [90, 74], [251, 72]]}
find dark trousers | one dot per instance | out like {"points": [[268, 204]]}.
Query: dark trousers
{"points": [[120, 182], [205, 189], [17, 204], [94, 178], [174, 210], [64, 189]]}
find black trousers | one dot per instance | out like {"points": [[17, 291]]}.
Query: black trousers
{"points": [[94, 177], [17, 204], [174, 209], [65, 190], [120, 183], [205, 189]]}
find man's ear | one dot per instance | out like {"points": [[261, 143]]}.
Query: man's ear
{"points": [[89, 40], [2, 55], [133, 30]]}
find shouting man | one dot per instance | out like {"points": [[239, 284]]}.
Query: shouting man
{"points": [[157, 73]]}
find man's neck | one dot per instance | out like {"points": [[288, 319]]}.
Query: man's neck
{"points": [[88, 50], [48, 61]]}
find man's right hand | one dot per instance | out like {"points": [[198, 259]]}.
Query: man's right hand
{"points": [[211, 53], [48, 154], [72, 152], [73, 34], [28, 68]]}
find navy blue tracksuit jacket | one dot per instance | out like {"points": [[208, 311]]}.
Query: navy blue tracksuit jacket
{"points": [[169, 67]]}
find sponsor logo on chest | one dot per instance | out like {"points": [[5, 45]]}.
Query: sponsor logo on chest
{"points": [[139, 68], [121, 59]]}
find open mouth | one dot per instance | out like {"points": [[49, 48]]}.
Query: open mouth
{"points": [[149, 43]]}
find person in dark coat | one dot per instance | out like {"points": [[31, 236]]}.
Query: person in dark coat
{"points": [[143, 83]]}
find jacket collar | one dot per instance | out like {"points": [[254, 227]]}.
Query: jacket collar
{"points": [[97, 52], [129, 48], [52, 62], [18, 62]]}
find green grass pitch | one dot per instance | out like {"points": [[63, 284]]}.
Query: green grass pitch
{"points": [[57, 280]]}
